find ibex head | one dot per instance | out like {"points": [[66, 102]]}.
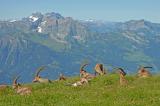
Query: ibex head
{"points": [[99, 69], [143, 72], [121, 71], [62, 77], [122, 79], [143, 69], [15, 85], [37, 77]]}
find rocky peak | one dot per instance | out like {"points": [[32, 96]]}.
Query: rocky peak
{"points": [[54, 15]]}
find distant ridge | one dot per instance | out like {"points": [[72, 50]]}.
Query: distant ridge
{"points": [[62, 44]]}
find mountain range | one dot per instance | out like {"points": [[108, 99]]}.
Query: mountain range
{"points": [[62, 44]]}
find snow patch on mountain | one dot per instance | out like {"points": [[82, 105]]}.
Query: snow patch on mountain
{"points": [[39, 29], [12, 20], [33, 18], [43, 23]]}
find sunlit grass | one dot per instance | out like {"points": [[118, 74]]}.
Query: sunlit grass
{"points": [[101, 91]]}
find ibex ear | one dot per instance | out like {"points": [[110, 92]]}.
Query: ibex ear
{"points": [[122, 71]]}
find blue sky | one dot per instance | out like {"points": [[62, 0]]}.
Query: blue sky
{"points": [[107, 10]]}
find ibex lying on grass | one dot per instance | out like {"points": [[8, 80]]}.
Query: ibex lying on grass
{"points": [[19, 89], [143, 72], [122, 79], [79, 83], [62, 77], [84, 74], [99, 69], [38, 78]]}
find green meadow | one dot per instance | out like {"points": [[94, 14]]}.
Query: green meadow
{"points": [[101, 91]]}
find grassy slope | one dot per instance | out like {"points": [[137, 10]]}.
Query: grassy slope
{"points": [[102, 91]]}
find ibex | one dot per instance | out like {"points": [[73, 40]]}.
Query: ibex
{"points": [[19, 89], [84, 74], [99, 69], [38, 78], [143, 72], [79, 83], [62, 77], [122, 79]]}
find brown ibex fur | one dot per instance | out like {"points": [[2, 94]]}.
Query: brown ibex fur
{"points": [[122, 79], [38, 78], [99, 69], [143, 72], [20, 89], [62, 77], [84, 74]]}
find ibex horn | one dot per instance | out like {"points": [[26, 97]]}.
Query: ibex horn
{"points": [[15, 80], [40, 69], [83, 66]]}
